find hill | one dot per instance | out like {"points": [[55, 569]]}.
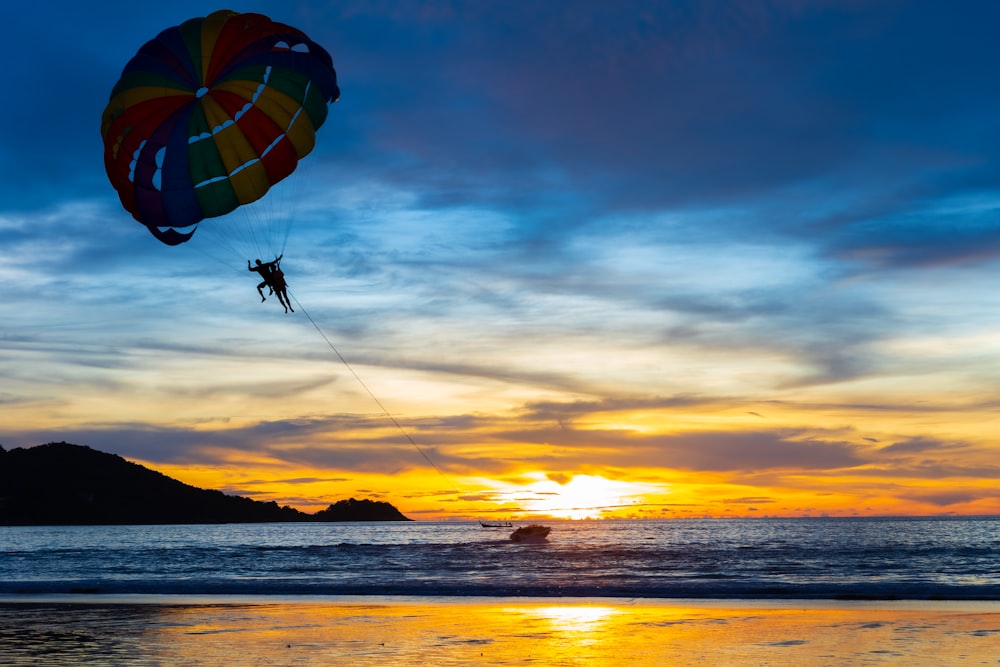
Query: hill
{"points": [[66, 484]]}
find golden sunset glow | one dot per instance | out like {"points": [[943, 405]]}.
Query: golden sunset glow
{"points": [[576, 619], [519, 295], [582, 497], [436, 632]]}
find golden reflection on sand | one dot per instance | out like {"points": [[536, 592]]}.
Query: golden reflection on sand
{"points": [[572, 618], [433, 632]]}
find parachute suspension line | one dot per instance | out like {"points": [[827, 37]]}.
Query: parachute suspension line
{"points": [[258, 221], [284, 198], [222, 242], [267, 221], [370, 393], [259, 229]]}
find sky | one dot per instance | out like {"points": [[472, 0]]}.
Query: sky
{"points": [[572, 259]]}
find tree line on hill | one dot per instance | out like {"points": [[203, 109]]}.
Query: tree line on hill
{"points": [[64, 484]]}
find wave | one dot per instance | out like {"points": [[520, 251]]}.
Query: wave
{"points": [[821, 559], [292, 586]]}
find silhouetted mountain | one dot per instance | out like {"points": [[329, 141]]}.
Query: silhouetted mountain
{"points": [[65, 484], [360, 510]]}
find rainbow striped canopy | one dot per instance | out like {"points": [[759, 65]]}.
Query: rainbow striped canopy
{"points": [[209, 115]]}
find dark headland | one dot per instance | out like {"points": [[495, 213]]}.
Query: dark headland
{"points": [[65, 484]]}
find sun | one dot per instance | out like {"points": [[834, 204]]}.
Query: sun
{"points": [[583, 496]]}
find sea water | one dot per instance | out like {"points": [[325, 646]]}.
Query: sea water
{"points": [[815, 558]]}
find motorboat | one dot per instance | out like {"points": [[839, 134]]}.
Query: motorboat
{"points": [[532, 533], [502, 524]]}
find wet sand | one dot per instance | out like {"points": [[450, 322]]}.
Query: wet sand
{"points": [[495, 631]]}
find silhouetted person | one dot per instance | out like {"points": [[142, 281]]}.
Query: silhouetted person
{"points": [[280, 287], [265, 271], [274, 279]]}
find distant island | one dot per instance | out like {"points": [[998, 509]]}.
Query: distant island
{"points": [[64, 484]]}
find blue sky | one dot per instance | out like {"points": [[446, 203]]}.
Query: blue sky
{"points": [[753, 244]]}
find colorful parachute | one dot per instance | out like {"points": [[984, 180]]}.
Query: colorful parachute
{"points": [[209, 115]]}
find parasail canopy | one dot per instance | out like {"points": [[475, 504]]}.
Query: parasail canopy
{"points": [[209, 115]]}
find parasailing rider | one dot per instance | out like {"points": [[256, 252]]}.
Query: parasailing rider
{"points": [[274, 279]]}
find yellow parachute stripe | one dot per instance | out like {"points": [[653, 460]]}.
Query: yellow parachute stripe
{"points": [[133, 96], [210, 28], [246, 173], [283, 110]]}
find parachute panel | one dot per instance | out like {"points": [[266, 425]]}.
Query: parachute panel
{"points": [[209, 115], [264, 134]]}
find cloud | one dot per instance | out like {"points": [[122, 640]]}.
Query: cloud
{"points": [[751, 500], [942, 234], [557, 236], [562, 411], [920, 445], [711, 451], [948, 498]]}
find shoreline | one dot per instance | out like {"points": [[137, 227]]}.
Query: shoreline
{"points": [[196, 600], [422, 631]]}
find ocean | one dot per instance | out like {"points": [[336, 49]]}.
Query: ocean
{"points": [[812, 558]]}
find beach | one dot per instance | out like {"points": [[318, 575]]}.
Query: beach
{"points": [[803, 593], [231, 630]]}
